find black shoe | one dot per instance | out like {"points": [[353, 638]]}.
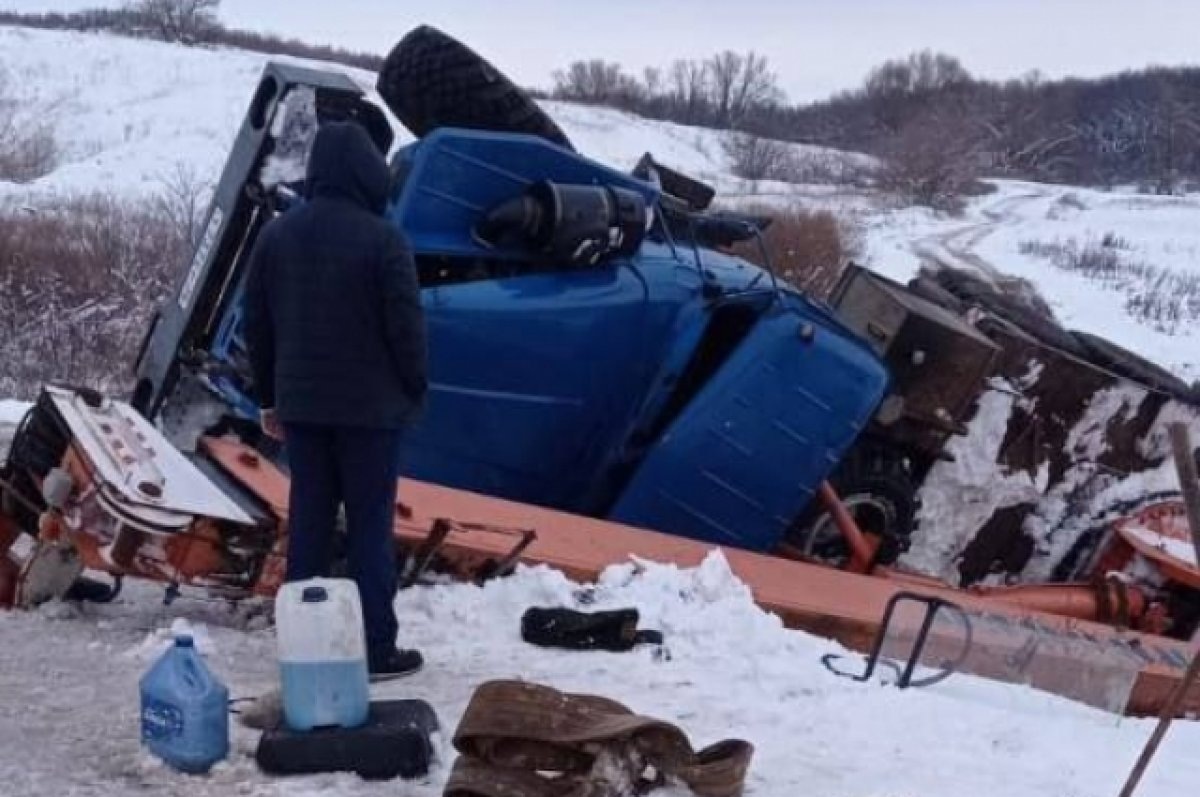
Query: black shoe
{"points": [[395, 664]]}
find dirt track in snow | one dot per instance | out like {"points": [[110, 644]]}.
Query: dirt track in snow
{"points": [[957, 247]]}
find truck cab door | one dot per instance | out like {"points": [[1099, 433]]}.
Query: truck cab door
{"points": [[530, 378], [745, 454], [534, 366]]}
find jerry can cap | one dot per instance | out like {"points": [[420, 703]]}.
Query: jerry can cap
{"points": [[184, 641], [314, 595]]}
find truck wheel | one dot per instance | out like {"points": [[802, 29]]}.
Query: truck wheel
{"points": [[878, 490], [431, 80]]}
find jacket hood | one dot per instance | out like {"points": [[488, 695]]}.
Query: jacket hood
{"points": [[345, 163]]}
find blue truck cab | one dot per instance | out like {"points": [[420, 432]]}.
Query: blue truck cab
{"points": [[657, 382]]}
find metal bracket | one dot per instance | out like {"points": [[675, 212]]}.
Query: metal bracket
{"points": [[421, 558], [507, 563], [905, 679], [433, 544]]}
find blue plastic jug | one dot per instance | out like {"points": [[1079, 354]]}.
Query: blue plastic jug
{"points": [[185, 710]]}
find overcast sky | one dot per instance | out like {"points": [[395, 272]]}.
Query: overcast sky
{"points": [[817, 47]]}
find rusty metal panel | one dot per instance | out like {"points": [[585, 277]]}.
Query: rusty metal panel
{"points": [[938, 362]]}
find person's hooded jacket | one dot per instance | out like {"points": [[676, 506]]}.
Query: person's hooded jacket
{"points": [[333, 319]]}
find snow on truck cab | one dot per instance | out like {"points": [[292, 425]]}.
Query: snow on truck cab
{"points": [[590, 348]]}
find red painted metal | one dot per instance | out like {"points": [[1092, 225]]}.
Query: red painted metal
{"points": [[1103, 602], [862, 549], [1157, 533]]}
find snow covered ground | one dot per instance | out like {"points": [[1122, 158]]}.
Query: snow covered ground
{"points": [[10, 415], [68, 698], [126, 114]]}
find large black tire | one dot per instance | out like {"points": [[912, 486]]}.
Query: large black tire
{"points": [[878, 489], [431, 80], [1123, 362], [37, 446]]}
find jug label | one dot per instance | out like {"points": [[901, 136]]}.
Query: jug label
{"points": [[160, 721]]}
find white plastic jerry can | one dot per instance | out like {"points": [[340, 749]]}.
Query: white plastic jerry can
{"points": [[322, 654]]}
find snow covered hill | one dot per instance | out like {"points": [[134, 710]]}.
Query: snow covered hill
{"points": [[128, 112]]}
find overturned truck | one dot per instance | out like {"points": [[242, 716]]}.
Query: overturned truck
{"points": [[606, 381]]}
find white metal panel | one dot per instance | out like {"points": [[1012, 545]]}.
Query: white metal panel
{"points": [[138, 463]]}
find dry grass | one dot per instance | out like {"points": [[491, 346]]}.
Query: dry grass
{"points": [[28, 149], [754, 158], [1161, 298], [928, 163], [809, 249], [78, 283]]}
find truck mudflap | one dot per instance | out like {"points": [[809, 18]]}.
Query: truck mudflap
{"points": [[748, 452]]}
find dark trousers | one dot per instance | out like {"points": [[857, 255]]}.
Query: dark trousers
{"points": [[332, 466]]}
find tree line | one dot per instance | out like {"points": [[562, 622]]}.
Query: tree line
{"points": [[1139, 127], [935, 124]]}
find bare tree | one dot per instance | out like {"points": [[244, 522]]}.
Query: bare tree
{"points": [[919, 73], [1175, 131], [187, 21], [757, 85], [595, 81], [689, 81], [652, 79], [897, 89], [755, 158], [933, 161], [740, 83], [182, 201], [725, 69]]}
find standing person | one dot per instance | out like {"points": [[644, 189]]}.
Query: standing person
{"points": [[336, 336]]}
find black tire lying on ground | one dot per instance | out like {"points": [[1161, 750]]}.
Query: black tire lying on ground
{"points": [[430, 80]]}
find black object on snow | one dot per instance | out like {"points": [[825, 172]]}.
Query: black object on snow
{"points": [[615, 630]]}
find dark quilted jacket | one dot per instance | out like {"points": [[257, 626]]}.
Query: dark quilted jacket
{"points": [[333, 315]]}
